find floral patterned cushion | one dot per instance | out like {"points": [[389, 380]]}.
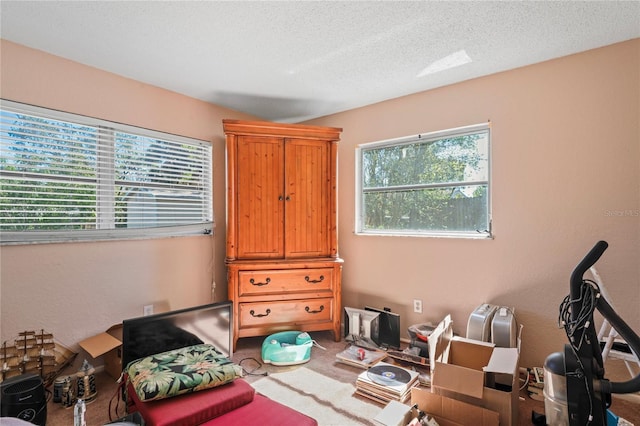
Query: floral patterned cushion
{"points": [[180, 371]]}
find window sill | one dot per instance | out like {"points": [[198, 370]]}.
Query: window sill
{"points": [[430, 234], [23, 238]]}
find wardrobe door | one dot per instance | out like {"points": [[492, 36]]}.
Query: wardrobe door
{"points": [[307, 206], [260, 197]]}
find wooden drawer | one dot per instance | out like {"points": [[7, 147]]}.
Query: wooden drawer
{"points": [[285, 281], [290, 312]]}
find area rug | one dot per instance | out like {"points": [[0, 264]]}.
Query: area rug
{"points": [[328, 401]]}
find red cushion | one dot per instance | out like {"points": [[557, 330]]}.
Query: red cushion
{"points": [[194, 408], [263, 412]]}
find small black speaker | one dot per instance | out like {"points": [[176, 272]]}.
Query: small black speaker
{"points": [[23, 397]]}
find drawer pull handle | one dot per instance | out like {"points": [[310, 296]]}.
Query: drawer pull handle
{"points": [[309, 280], [253, 282], [253, 313], [314, 312]]}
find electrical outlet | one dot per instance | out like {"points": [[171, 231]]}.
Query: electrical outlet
{"points": [[417, 306], [147, 310]]}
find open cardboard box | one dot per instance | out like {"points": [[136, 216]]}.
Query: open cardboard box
{"points": [[451, 412], [445, 411], [474, 372], [109, 346]]}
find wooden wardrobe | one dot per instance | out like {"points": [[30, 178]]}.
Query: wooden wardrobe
{"points": [[282, 260]]}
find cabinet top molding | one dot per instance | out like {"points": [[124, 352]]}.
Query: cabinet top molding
{"points": [[268, 128]]}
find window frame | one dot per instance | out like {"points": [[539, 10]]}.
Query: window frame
{"points": [[99, 234], [408, 140]]}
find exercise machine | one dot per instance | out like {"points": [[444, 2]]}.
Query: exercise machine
{"points": [[575, 389]]}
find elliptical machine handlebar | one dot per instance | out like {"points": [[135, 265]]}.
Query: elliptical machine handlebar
{"points": [[589, 260]]}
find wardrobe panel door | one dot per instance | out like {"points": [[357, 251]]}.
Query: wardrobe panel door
{"points": [[260, 197], [307, 206]]}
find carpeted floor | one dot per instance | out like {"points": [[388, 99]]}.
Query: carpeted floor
{"points": [[248, 354], [327, 400]]}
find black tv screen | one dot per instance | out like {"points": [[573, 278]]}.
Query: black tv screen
{"points": [[152, 334]]}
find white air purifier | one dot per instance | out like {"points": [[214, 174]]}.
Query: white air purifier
{"points": [[503, 328], [479, 325]]}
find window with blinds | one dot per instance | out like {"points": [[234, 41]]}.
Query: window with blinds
{"points": [[64, 176]]}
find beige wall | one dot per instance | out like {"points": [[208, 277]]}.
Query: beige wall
{"points": [[76, 290], [565, 151], [566, 143]]}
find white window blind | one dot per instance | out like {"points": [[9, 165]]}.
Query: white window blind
{"points": [[65, 174]]}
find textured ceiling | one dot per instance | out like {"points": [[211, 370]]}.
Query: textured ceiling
{"points": [[292, 61]]}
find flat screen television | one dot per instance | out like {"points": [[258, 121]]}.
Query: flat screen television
{"points": [[152, 334]]}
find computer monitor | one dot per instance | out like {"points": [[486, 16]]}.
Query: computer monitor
{"points": [[388, 328], [361, 326]]}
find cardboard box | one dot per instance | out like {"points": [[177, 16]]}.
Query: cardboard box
{"points": [[474, 372], [451, 412], [109, 346], [395, 413]]}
